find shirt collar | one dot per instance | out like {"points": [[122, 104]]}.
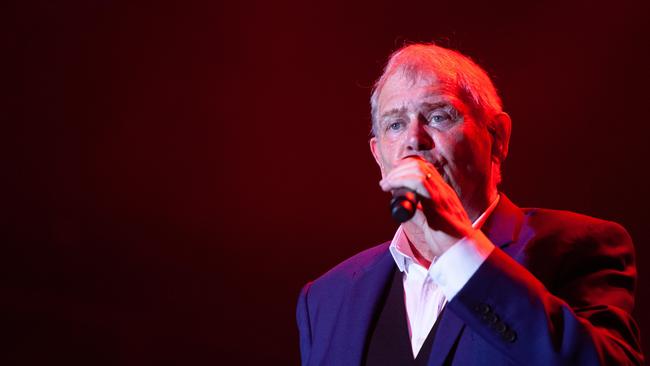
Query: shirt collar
{"points": [[401, 250]]}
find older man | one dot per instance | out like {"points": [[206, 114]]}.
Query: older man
{"points": [[471, 279]]}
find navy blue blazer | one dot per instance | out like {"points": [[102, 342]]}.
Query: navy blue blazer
{"points": [[557, 290]]}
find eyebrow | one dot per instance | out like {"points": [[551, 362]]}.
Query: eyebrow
{"points": [[437, 105], [393, 112], [402, 110]]}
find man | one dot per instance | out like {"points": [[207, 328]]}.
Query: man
{"points": [[471, 279]]}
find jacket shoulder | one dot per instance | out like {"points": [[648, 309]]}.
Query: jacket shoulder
{"points": [[574, 225], [341, 275], [567, 246], [360, 261]]}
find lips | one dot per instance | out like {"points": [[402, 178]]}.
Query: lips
{"points": [[414, 157]]}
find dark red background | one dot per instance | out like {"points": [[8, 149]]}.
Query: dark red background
{"points": [[174, 173]]}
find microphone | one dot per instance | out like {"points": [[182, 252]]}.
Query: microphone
{"points": [[403, 204]]}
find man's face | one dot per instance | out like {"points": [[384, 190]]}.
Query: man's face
{"points": [[424, 118]]}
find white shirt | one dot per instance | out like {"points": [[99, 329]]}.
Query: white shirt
{"points": [[427, 291]]}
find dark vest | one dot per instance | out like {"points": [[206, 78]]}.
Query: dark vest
{"points": [[389, 342]]}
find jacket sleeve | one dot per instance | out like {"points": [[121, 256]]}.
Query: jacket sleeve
{"points": [[583, 320], [304, 327]]}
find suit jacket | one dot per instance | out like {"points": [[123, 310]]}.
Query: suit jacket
{"points": [[558, 289]]}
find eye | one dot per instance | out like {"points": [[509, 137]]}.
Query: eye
{"points": [[439, 117], [395, 126]]}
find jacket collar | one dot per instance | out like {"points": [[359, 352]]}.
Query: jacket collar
{"points": [[504, 225]]}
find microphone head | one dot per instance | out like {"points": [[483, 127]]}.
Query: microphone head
{"points": [[403, 205], [402, 211]]}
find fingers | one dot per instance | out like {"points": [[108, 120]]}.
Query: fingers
{"points": [[415, 182], [415, 174], [440, 209]]}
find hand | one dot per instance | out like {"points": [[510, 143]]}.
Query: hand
{"points": [[440, 220]]}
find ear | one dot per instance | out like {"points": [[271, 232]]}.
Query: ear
{"points": [[500, 131], [374, 148]]}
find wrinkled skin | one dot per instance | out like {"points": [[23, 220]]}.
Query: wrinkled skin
{"points": [[428, 141]]}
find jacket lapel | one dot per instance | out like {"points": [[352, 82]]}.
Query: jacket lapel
{"points": [[504, 225], [447, 334], [357, 313], [502, 228]]}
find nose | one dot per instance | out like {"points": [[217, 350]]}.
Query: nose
{"points": [[418, 138]]}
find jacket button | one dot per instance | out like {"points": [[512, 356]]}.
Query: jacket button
{"points": [[500, 327], [491, 318], [483, 308], [510, 336]]}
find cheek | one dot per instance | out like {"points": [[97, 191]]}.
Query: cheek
{"points": [[388, 152], [383, 157], [467, 151]]}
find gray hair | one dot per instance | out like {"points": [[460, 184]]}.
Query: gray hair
{"points": [[451, 68]]}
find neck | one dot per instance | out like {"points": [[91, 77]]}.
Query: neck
{"points": [[475, 206], [419, 236], [422, 259]]}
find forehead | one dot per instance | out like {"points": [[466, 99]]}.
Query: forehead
{"points": [[405, 91]]}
